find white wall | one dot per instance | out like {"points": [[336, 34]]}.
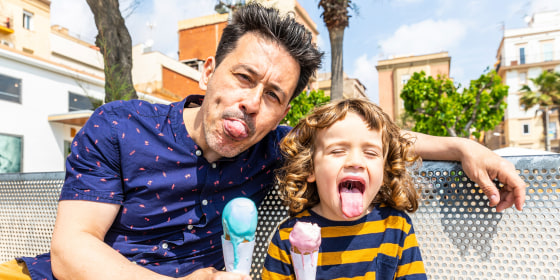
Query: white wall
{"points": [[44, 92]]}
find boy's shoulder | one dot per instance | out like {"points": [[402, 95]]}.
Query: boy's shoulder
{"points": [[303, 216], [383, 211]]}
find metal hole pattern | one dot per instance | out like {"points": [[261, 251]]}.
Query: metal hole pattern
{"points": [[460, 236], [28, 204], [271, 213]]}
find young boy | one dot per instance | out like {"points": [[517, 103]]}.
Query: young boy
{"points": [[345, 167]]}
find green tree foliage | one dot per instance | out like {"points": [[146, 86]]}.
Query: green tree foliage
{"points": [[302, 104], [438, 108], [546, 96]]}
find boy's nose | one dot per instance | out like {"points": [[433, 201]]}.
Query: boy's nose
{"points": [[354, 160]]}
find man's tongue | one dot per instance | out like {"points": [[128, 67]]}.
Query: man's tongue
{"points": [[235, 128], [351, 200]]}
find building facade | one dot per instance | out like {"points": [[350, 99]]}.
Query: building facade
{"points": [[352, 88], [50, 81], [394, 73], [524, 53]]}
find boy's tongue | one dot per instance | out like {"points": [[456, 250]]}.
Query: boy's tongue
{"points": [[235, 128], [351, 201]]}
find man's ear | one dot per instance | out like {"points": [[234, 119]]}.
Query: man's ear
{"points": [[207, 72]]}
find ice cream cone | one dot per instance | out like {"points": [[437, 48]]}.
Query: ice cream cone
{"points": [[305, 265], [244, 258]]}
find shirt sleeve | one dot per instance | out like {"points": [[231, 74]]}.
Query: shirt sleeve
{"points": [[93, 166], [278, 264], [410, 264]]}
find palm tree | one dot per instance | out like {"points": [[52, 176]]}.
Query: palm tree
{"points": [[336, 15], [546, 97]]}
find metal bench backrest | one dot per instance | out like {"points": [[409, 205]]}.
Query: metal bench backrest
{"points": [[460, 236]]}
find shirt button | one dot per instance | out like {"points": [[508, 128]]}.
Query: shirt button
{"points": [[205, 202], [190, 227], [198, 153], [164, 246], [214, 165], [133, 262]]}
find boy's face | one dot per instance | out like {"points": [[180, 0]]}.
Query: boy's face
{"points": [[348, 168]]}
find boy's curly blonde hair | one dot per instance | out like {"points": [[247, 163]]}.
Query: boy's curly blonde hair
{"points": [[398, 189]]}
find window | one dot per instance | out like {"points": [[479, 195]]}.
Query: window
{"points": [[522, 78], [522, 55], [10, 89], [552, 130], [27, 20], [526, 129], [404, 79], [547, 51], [78, 102], [10, 153]]}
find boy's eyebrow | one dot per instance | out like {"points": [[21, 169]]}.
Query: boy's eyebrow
{"points": [[254, 72]]}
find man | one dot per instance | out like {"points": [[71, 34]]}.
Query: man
{"points": [[146, 183]]}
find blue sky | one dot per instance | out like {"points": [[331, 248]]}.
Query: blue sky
{"points": [[470, 30]]}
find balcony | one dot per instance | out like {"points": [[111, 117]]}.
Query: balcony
{"points": [[6, 24]]}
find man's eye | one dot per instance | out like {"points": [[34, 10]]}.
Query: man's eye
{"points": [[273, 95], [244, 77]]}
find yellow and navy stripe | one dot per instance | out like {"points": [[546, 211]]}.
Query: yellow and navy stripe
{"points": [[381, 245]]}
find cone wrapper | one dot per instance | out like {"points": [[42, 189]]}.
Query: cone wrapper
{"points": [[244, 256], [305, 265]]}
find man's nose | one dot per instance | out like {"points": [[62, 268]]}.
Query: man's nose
{"points": [[252, 100]]}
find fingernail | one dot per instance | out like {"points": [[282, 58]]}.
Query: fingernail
{"points": [[493, 197]]}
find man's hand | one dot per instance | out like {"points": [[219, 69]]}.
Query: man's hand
{"points": [[483, 166], [213, 274], [479, 163]]}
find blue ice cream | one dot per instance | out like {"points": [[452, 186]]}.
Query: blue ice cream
{"points": [[239, 220]]}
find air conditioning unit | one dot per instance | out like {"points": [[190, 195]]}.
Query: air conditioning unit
{"points": [[7, 43]]}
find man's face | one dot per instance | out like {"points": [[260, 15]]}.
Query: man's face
{"points": [[347, 168], [247, 95]]}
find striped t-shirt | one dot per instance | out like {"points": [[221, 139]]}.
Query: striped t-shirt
{"points": [[380, 245]]}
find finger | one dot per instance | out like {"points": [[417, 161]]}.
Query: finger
{"points": [[507, 198], [489, 189], [515, 185]]}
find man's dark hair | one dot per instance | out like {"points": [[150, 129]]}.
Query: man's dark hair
{"points": [[268, 23]]}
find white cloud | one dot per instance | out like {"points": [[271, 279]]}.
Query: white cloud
{"points": [[364, 70], [544, 6], [425, 37]]}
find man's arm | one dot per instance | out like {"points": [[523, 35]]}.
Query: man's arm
{"points": [[78, 250], [479, 163], [77, 247]]}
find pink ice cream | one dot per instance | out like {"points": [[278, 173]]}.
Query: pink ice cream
{"points": [[305, 237]]}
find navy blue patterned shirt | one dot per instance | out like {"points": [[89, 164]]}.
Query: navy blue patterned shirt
{"points": [[140, 156]]}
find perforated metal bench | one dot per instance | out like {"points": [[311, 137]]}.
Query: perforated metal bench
{"points": [[460, 236]]}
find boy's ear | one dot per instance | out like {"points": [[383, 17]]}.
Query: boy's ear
{"points": [[311, 178], [207, 72]]}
